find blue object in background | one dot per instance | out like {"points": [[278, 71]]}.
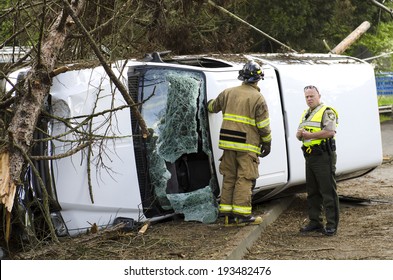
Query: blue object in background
{"points": [[384, 83]]}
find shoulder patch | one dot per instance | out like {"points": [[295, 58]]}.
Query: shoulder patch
{"points": [[331, 116]]}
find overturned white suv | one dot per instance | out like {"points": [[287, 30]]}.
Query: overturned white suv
{"points": [[124, 177]]}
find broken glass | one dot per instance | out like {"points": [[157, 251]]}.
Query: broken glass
{"points": [[178, 130], [159, 175], [199, 205], [178, 149]]}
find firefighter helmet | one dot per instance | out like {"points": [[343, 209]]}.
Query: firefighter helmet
{"points": [[251, 72]]}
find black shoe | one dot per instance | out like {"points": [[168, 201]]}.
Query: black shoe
{"points": [[311, 228], [330, 231]]}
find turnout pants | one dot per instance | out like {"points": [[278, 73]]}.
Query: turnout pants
{"points": [[239, 169], [321, 188]]}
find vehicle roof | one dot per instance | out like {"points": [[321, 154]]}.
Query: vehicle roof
{"points": [[277, 59], [307, 59]]}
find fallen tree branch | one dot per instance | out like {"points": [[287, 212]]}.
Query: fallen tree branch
{"points": [[378, 56], [68, 247], [63, 155], [351, 38], [309, 249], [108, 70]]}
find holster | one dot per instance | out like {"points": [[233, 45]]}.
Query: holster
{"points": [[332, 144]]}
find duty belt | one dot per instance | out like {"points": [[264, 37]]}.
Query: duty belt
{"points": [[313, 150], [327, 146]]}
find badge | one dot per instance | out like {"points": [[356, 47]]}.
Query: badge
{"points": [[332, 116]]}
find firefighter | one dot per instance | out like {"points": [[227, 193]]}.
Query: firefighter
{"points": [[244, 136], [317, 130]]}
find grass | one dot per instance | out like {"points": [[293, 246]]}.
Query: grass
{"points": [[385, 100], [382, 101]]}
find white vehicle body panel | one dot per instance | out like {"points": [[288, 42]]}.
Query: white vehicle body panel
{"points": [[115, 189]]}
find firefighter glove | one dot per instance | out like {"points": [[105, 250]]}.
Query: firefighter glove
{"points": [[265, 149]]}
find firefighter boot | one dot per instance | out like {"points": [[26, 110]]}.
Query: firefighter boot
{"points": [[249, 220], [229, 221]]}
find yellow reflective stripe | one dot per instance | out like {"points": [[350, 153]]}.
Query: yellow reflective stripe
{"points": [[312, 124], [313, 142], [242, 210], [225, 208], [263, 123], [240, 119], [239, 146], [210, 106], [267, 138]]}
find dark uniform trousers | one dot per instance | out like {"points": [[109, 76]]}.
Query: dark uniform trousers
{"points": [[322, 189], [239, 169]]}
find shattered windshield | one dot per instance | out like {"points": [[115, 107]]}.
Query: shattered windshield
{"points": [[178, 150]]}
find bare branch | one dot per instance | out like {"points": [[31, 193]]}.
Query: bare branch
{"points": [[64, 155], [109, 71], [383, 7]]}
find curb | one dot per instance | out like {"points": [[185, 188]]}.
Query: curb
{"points": [[243, 240]]}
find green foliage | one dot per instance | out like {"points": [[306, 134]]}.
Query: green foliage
{"points": [[379, 43], [384, 118], [305, 24], [385, 100], [382, 101], [295, 23], [5, 25], [128, 28], [19, 17]]}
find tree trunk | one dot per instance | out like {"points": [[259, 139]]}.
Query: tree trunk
{"points": [[35, 90], [351, 38]]}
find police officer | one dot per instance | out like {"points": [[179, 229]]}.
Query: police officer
{"points": [[317, 130], [244, 135]]}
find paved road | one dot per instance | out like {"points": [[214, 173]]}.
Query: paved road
{"points": [[387, 138]]}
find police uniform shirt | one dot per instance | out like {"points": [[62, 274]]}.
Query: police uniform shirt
{"points": [[329, 120]]}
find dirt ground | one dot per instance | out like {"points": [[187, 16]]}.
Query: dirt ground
{"points": [[365, 232]]}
